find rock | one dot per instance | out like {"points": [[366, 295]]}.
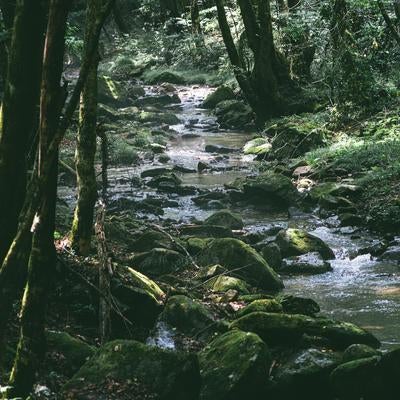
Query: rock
{"points": [[135, 291], [166, 77], [310, 263], [203, 199], [213, 148], [304, 370], [160, 100], [368, 378], [299, 305], [234, 254], [259, 147], [159, 118], [196, 245], [332, 195], [71, 353], [156, 373], [220, 94], [391, 254], [268, 188], [272, 255], [183, 170], [234, 366], [285, 329], [205, 231], [157, 148], [189, 316], [112, 93], [215, 205], [348, 219], [234, 114], [295, 242], [202, 166], [358, 351], [226, 219], [264, 305], [159, 261], [207, 273], [170, 183], [153, 172], [224, 283]]}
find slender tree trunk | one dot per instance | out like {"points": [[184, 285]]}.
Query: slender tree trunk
{"points": [[195, 17], [20, 99], [82, 227], [7, 8], [38, 183], [42, 261]]}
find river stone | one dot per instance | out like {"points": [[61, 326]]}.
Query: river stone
{"points": [[220, 94], [299, 305], [153, 172], [284, 329], [159, 261], [358, 351], [268, 188], [168, 118], [234, 366], [135, 291], [264, 305], [304, 370], [224, 283], [157, 373], [295, 242], [225, 218], [368, 378], [188, 316], [233, 114], [161, 100], [196, 245], [149, 240], [272, 255], [259, 146], [249, 265], [166, 77], [71, 353], [391, 254], [213, 148], [310, 263], [205, 231], [204, 199]]}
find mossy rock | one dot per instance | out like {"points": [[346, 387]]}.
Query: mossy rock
{"points": [[159, 261], [272, 255], [135, 291], [370, 378], [234, 114], [220, 94], [264, 305], [234, 366], [158, 118], [268, 188], [160, 374], [357, 352], [224, 283], [74, 352], [196, 245], [206, 231], [299, 305], [112, 93], [285, 329], [258, 146], [249, 265], [149, 240], [305, 375], [226, 219], [189, 317], [309, 263], [295, 242], [165, 77]]}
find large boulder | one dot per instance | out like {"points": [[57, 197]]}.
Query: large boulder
{"points": [[165, 77], [258, 146], [205, 231], [225, 218], [295, 242], [138, 371], [305, 375], [246, 263], [284, 329], [310, 263], [233, 114], [299, 305], [159, 261], [223, 283], [268, 188], [135, 291], [220, 94], [234, 366], [263, 305], [376, 377], [189, 316]]}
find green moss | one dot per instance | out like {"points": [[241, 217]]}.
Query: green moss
{"points": [[220, 94], [235, 255], [164, 374], [264, 305], [225, 218], [224, 283], [234, 366], [258, 146]]}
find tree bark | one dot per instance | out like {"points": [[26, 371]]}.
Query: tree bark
{"points": [[31, 346], [82, 227], [20, 99], [7, 8]]}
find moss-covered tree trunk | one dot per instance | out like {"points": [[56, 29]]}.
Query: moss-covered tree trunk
{"points": [[82, 227], [42, 260], [18, 112]]}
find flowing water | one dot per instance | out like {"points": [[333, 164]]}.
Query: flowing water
{"points": [[359, 290]]}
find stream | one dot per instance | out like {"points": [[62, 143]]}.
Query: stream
{"points": [[360, 289]]}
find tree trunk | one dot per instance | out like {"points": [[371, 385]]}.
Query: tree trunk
{"points": [[20, 99], [82, 227], [38, 183], [7, 8], [42, 261], [195, 17]]}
